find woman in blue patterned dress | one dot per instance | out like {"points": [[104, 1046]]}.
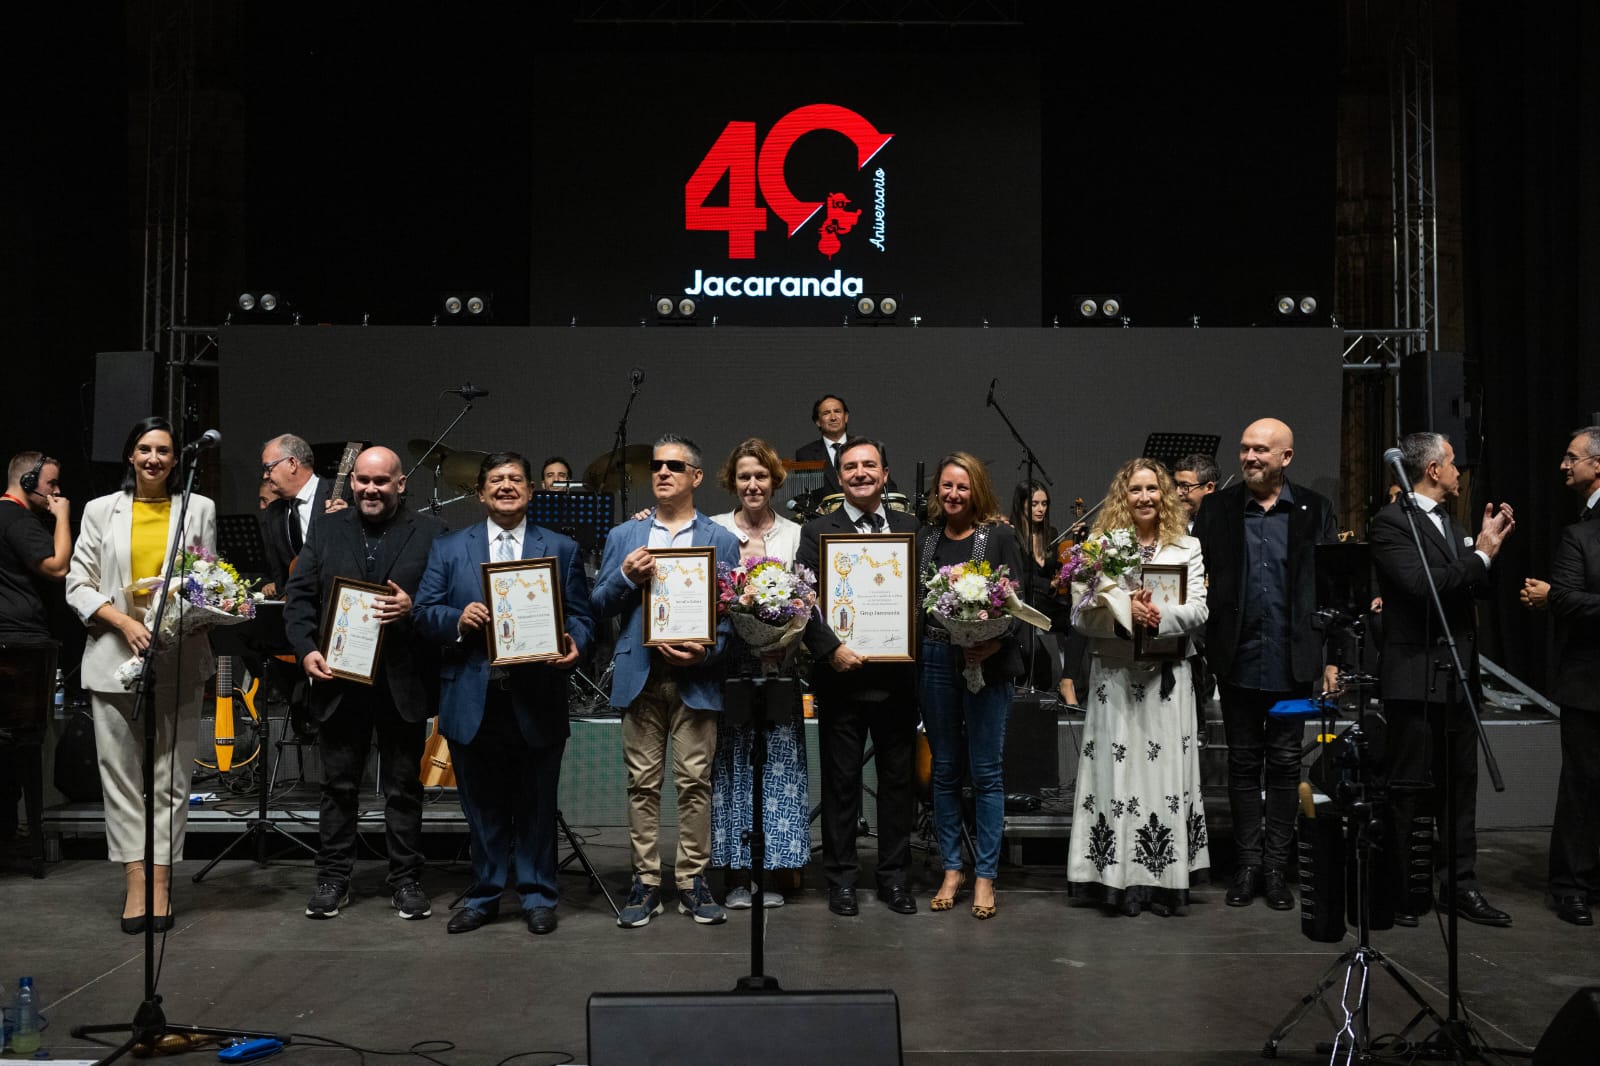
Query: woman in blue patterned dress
{"points": [[753, 474], [1138, 826]]}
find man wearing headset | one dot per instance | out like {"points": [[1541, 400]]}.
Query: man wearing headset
{"points": [[28, 550]]}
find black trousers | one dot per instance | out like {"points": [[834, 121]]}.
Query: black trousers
{"points": [[1575, 836], [1417, 748], [343, 742], [1260, 745], [845, 720]]}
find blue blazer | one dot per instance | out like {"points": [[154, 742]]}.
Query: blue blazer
{"points": [[700, 686], [453, 579]]}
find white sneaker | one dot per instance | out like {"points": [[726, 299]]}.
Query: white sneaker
{"points": [[738, 899], [771, 898]]}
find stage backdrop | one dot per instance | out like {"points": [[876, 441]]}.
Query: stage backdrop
{"points": [[1084, 398], [774, 187]]}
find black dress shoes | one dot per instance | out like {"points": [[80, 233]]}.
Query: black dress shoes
{"points": [[1244, 886], [1404, 920], [1573, 908], [1276, 890], [842, 900], [467, 919], [133, 926], [1470, 904], [899, 898], [542, 920]]}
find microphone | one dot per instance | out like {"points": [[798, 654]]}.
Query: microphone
{"points": [[1394, 459], [992, 383], [469, 392], [636, 377], [209, 439]]}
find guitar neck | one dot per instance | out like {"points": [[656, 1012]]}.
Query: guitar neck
{"points": [[347, 463]]}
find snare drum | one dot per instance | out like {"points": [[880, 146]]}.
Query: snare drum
{"points": [[897, 501], [831, 503]]}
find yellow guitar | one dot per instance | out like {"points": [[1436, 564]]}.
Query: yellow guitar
{"points": [[225, 723]]}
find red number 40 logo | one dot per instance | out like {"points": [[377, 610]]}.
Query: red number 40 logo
{"points": [[734, 154]]}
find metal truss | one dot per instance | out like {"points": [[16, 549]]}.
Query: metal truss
{"points": [[1380, 349], [800, 12], [1414, 175]]}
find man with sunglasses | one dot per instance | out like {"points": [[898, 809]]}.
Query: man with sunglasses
{"points": [[666, 689], [300, 497]]}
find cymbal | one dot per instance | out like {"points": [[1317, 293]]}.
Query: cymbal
{"points": [[426, 452], [461, 470], [601, 476]]}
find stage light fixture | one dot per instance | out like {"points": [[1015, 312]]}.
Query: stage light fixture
{"points": [[1098, 309], [875, 309], [676, 310], [260, 305], [1295, 308], [464, 307]]}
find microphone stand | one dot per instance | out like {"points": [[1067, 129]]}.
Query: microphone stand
{"points": [[434, 505], [1031, 462], [149, 1022], [1453, 1036], [619, 446]]}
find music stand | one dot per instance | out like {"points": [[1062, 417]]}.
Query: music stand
{"points": [[1170, 447], [239, 541], [586, 517], [256, 639]]}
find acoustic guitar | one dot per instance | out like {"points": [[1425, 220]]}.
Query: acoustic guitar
{"points": [[436, 771], [232, 735]]}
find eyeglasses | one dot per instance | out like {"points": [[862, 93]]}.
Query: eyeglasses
{"points": [[266, 468], [1186, 487], [677, 466]]}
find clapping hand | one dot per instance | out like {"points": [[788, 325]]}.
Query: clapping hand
{"points": [[1145, 613]]}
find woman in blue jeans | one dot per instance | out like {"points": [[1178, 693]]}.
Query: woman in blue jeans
{"points": [[966, 526]]}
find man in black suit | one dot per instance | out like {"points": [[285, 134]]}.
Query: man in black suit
{"points": [[1580, 469], [1259, 539], [857, 698], [1427, 723], [300, 498], [381, 542], [832, 417], [1575, 601]]}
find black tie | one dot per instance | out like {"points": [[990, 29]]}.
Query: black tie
{"points": [[296, 538], [1588, 513], [871, 523], [833, 447]]}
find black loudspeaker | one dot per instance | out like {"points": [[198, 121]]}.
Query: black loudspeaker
{"points": [[1434, 396], [843, 1028], [1031, 761], [123, 386], [1574, 1032]]}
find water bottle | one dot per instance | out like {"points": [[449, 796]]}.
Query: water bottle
{"points": [[25, 1034], [61, 696]]}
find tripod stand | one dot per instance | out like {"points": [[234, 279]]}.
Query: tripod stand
{"points": [[149, 1022]]}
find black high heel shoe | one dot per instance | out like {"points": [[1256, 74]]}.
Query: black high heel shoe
{"points": [[133, 926]]}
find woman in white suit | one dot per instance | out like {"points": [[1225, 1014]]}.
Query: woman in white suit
{"points": [[127, 536], [1139, 830], [753, 474]]}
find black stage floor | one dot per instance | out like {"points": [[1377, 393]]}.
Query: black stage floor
{"points": [[1048, 981]]}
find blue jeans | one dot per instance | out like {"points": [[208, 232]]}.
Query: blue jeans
{"points": [[946, 707]]}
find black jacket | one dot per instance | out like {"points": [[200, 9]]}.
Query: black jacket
{"points": [[1575, 602]]}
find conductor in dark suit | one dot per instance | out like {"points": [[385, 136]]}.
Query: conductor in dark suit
{"points": [[1575, 836], [832, 417], [1259, 538], [300, 498], [382, 542], [507, 725], [857, 699], [1427, 723]]}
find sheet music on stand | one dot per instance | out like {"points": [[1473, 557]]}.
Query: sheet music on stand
{"points": [[239, 541], [1170, 447], [586, 517]]}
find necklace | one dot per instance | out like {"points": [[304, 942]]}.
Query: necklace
{"points": [[372, 547], [151, 499]]}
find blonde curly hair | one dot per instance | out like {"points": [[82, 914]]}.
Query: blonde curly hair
{"points": [[1116, 514]]}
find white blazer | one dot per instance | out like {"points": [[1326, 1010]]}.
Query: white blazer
{"points": [[1111, 606], [782, 543], [99, 574]]}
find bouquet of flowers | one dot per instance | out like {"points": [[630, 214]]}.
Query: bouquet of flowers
{"points": [[767, 600], [975, 603], [1097, 563], [204, 591]]}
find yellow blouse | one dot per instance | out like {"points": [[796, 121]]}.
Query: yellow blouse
{"points": [[147, 553]]}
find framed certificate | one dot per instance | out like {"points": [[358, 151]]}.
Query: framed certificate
{"points": [[526, 621], [352, 635], [1169, 587], [868, 593], [680, 602]]}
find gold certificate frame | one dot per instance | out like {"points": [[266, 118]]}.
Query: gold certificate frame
{"points": [[527, 616], [680, 600], [352, 636], [1169, 587], [868, 593]]}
